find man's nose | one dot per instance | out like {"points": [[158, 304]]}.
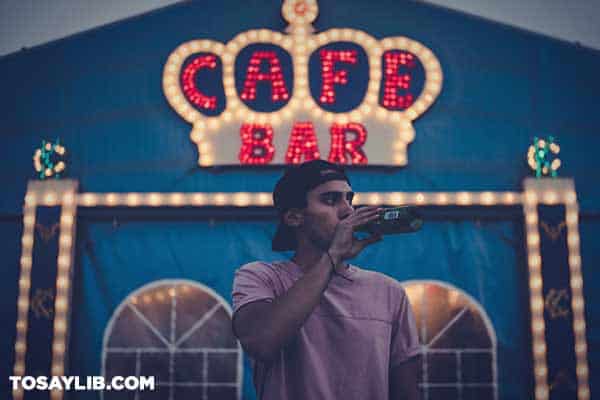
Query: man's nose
{"points": [[346, 209]]}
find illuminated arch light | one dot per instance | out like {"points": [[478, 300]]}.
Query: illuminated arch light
{"points": [[434, 324], [539, 191], [529, 199], [205, 330]]}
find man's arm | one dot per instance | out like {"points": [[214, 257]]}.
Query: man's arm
{"points": [[403, 380], [263, 328]]}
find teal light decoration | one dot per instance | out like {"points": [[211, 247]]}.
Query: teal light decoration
{"points": [[542, 157], [49, 160]]}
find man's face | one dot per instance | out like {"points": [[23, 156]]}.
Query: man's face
{"points": [[327, 204]]}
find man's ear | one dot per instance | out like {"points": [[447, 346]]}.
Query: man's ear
{"points": [[293, 217]]}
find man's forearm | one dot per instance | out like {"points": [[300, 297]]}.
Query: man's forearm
{"points": [[279, 322]]}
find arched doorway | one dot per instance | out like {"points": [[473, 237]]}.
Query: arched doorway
{"points": [[459, 355], [180, 332]]}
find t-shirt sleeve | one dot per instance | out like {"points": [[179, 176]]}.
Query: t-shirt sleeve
{"points": [[252, 282], [405, 337]]}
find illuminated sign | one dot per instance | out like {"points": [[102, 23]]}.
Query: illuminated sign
{"points": [[267, 98]]}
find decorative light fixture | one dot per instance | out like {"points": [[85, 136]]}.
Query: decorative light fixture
{"points": [[49, 160], [541, 157]]}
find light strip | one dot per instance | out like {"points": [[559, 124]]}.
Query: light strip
{"points": [[577, 302], [554, 192], [536, 300], [27, 240], [66, 253], [244, 199], [54, 193]]}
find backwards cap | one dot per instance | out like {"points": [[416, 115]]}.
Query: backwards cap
{"points": [[290, 192]]}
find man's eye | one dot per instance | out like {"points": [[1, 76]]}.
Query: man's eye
{"points": [[331, 198]]}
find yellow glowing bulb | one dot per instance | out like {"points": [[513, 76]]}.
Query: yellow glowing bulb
{"points": [[530, 197], [220, 199], [531, 218], [537, 304], [539, 349], [66, 220], [571, 218], [89, 199], [26, 261], [573, 240], [488, 198], [550, 197], [533, 239], [62, 282], [464, 198], [176, 199], [61, 326], [21, 326], [576, 282], [541, 393], [27, 241], [396, 198], [154, 199], [579, 325], [111, 199], [50, 198], [241, 199], [20, 346], [534, 260], [28, 220], [374, 199], [57, 370], [23, 304], [61, 304], [198, 199], [133, 199], [583, 393], [264, 199], [581, 348], [575, 260], [509, 198], [442, 198], [30, 199]]}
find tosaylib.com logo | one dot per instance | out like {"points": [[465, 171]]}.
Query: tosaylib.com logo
{"points": [[76, 383]]}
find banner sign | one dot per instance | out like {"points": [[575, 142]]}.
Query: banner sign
{"points": [[267, 98]]}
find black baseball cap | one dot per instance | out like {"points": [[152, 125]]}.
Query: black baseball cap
{"points": [[290, 192]]}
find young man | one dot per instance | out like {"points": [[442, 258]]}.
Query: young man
{"points": [[315, 327]]}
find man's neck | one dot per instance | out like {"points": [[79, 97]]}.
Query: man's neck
{"points": [[306, 257]]}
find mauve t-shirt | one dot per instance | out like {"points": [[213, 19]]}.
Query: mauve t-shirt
{"points": [[362, 326]]}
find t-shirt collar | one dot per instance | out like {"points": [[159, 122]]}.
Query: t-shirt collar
{"points": [[346, 273]]}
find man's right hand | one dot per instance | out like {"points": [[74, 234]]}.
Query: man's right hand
{"points": [[344, 244]]}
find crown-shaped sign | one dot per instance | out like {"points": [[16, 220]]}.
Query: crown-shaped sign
{"points": [[271, 98]]}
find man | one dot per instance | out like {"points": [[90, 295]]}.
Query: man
{"points": [[314, 326]]}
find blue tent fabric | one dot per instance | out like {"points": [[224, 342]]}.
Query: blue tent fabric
{"points": [[100, 92]]}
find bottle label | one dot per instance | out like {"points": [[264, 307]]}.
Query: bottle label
{"points": [[390, 215]]}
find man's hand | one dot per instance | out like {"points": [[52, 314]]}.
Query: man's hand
{"points": [[344, 245]]}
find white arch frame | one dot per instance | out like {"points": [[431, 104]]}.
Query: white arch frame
{"points": [[165, 282], [486, 320]]}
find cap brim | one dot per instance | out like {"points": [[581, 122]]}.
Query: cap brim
{"points": [[284, 239]]}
